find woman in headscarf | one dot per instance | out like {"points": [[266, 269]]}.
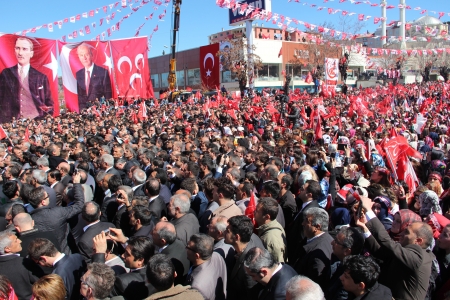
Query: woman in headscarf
{"points": [[382, 208], [402, 219], [431, 212], [413, 202]]}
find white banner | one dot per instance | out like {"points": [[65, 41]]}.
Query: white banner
{"points": [[331, 71]]}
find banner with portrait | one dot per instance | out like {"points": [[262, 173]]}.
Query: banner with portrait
{"points": [[132, 71], [86, 73], [28, 77]]}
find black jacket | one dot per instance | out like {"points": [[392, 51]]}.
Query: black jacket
{"points": [[177, 254], [294, 233], [18, 271], [133, 285], [122, 220], [109, 209], [158, 207], [54, 161], [28, 236], [276, 288], [289, 207], [48, 219], [71, 268], [85, 243], [315, 260], [240, 284], [377, 292], [7, 205]]}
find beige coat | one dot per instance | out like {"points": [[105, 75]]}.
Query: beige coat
{"points": [[273, 237], [178, 292]]}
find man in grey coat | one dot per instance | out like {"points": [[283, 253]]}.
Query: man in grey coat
{"points": [[208, 273], [186, 224], [48, 218]]}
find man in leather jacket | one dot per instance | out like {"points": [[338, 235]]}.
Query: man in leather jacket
{"points": [[293, 115]]}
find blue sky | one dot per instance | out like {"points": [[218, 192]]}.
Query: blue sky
{"points": [[199, 18]]}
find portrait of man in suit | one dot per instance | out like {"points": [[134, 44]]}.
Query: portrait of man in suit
{"points": [[24, 91], [93, 81]]}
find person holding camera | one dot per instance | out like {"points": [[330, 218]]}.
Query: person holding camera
{"points": [[293, 115]]}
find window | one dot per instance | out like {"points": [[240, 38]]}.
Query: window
{"points": [[164, 79], [155, 80], [180, 79], [193, 77], [269, 72]]}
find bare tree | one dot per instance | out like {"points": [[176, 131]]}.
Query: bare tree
{"points": [[237, 60]]}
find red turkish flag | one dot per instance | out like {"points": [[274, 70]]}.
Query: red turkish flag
{"points": [[3, 134], [42, 78], [250, 209], [74, 78], [132, 70], [209, 66]]}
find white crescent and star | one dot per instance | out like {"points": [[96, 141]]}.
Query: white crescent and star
{"points": [[208, 56]]}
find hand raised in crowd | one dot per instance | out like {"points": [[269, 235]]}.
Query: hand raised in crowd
{"points": [[122, 198], [117, 235], [76, 177], [100, 244]]}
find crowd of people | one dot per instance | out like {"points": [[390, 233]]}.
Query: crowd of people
{"points": [[268, 196]]}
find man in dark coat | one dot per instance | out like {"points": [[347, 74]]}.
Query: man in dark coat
{"points": [[165, 237], [36, 100], [270, 275], [186, 224], [139, 250], [91, 214], [310, 191], [240, 235], [55, 218], [24, 225], [142, 220], [70, 267], [408, 263], [314, 260], [156, 203], [14, 267], [93, 81]]}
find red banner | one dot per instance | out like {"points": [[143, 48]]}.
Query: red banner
{"points": [[209, 66], [132, 70], [86, 73], [28, 77]]}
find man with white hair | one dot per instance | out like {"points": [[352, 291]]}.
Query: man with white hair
{"points": [[138, 179], [93, 81], [314, 260], [107, 164], [186, 224], [43, 164], [303, 288], [40, 179], [12, 265]]}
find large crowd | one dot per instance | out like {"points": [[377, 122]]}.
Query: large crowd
{"points": [[265, 196]]}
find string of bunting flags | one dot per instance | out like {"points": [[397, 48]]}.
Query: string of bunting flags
{"points": [[78, 17], [284, 23], [109, 31], [422, 11]]}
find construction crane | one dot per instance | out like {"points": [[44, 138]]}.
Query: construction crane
{"points": [[172, 79]]}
